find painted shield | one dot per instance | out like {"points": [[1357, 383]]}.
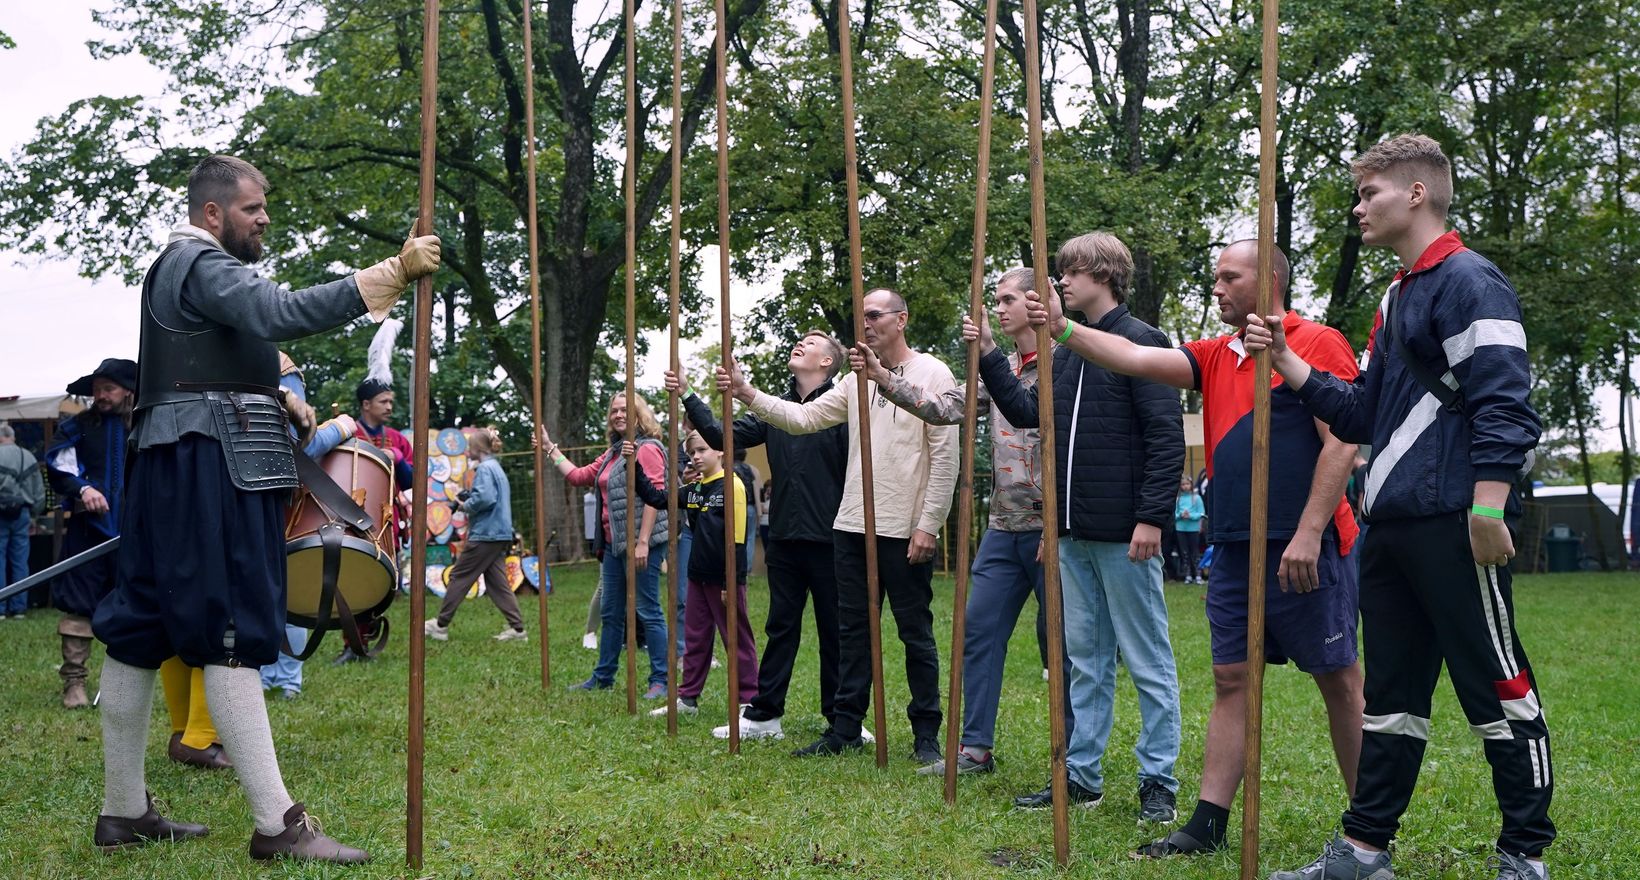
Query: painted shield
{"points": [[473, 592], [515, 572], [435, 580], [458, 521], [532, 574], [451, 489], [458, 466], [438, 518], [452, 442], [438, 467]]}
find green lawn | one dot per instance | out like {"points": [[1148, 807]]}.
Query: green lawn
{"points": [[521, 784]]}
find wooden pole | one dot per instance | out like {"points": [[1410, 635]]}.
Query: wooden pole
{"points": [[674, 419], [851, 172], [1050, 478], [535, 351], [970, 412], [632, 506], [418, 435], [1258, 533], [731, 597]]}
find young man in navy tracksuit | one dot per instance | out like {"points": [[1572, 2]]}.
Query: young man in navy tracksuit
{"points": [[1435, 583]]}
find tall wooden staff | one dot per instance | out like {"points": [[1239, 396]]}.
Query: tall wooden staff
{"points": [[1258, 534], [418, 431], [851, 172], [965, 486], [535, 348], [731, 597], [632, 506], [673, 525], [1045, 421]]}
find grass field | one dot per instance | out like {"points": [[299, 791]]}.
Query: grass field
{"points": [[521, 784]]}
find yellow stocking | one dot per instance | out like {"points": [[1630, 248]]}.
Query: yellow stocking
{"points": [[174, 676], [200, 732]]}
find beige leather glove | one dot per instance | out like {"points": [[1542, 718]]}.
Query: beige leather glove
{"points": [[381, 285]]}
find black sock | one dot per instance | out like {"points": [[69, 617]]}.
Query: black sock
{"points": [[1207, 824]]}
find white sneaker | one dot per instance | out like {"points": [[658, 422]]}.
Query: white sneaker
{"points": [[590, 641], [435, 632], [866, 736], [715, 663], [512, 635], [1044, 675], [750, 729], [686, 706]]}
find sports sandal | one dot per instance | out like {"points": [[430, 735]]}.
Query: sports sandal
{"points": [[1177, 843]]}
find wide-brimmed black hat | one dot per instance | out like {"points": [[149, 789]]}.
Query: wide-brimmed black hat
{"points": [[117, 370]]}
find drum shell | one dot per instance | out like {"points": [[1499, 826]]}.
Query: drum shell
{"points": [[367, 575], [372, 475]]}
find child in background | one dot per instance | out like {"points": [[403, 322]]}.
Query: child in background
{"points": [[704, 608]]}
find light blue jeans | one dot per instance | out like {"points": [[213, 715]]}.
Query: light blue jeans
{"points": [[651, 622], [1114, 604], [680, 580], [286, 672], [14, 559]]}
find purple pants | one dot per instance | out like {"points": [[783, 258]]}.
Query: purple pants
{"points": [[703, 611]]}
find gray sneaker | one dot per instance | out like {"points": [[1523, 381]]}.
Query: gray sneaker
{"points": [[1514, 867], [966, 763], [1338, 862]]}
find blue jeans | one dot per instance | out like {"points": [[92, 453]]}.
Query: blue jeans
{"points": [[1112, 603], [613, 641], [680, 580], [286, 672], [751, 538], [1005, 573], [14, 559]]}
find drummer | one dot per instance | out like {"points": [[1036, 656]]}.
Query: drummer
{"points": [[375, 408], [285, 674], [375, 398]]}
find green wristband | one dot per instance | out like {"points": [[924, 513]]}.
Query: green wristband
{"points": [[1065, 337], [1481, 510]]}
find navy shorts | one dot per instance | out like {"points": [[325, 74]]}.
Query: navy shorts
{"points": [[201, 568], [1315, 630]]}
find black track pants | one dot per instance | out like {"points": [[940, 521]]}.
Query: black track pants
{"points": [[1425, 601]]}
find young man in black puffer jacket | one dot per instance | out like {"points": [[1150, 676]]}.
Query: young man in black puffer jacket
{"points": [[1120, 448]]}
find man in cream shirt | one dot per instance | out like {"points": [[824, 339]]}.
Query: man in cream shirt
{"points": [[914, 469]]}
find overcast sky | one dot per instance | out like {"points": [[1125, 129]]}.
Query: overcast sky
{"points": [[58, 325]]}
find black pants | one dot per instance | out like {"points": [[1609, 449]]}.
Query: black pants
{"points": [[909, 590], [1424, 600], [796, 569]]}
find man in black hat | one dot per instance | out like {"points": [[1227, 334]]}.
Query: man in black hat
{"points": [[201, 568], [86, 463]]}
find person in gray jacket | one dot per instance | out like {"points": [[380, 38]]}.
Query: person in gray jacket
{"points": [[22, 495], [489, 536], [201, 568]]}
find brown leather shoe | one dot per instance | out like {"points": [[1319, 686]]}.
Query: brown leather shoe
{"points": [[116, 832], [304, 840], [212, 757]]}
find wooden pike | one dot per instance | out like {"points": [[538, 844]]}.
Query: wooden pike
{"points": [[970, 417], [674, 419], [632, 505], [1050, 477], [851, 172], [731, 597], [418, 429], [535, 348], [1258, 533]]}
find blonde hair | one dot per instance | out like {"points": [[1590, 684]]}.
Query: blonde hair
{"points": [[1100, 255], [1412, 158], [486, 440], [834, 350], [639, 413]]}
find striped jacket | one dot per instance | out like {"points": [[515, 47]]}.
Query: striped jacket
{"points": [[1458, 314]]}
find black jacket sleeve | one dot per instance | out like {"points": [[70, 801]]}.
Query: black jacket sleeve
{"points": [[749, 429], [1013, 399], [1161, 427], [652, 495]]}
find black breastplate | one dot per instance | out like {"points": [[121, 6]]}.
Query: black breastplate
{"points": [[177, 349]]}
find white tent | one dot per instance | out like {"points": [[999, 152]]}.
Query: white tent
{"points": [[37, 408]]}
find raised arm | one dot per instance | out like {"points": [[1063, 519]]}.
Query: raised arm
{"points": [[942, 408], [1118, 354], [816, 415]]}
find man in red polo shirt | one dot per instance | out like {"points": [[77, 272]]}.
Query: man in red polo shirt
{"points": [[1311, 597]]}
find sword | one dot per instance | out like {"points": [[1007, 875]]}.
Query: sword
{"points": [[67, 565]]}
